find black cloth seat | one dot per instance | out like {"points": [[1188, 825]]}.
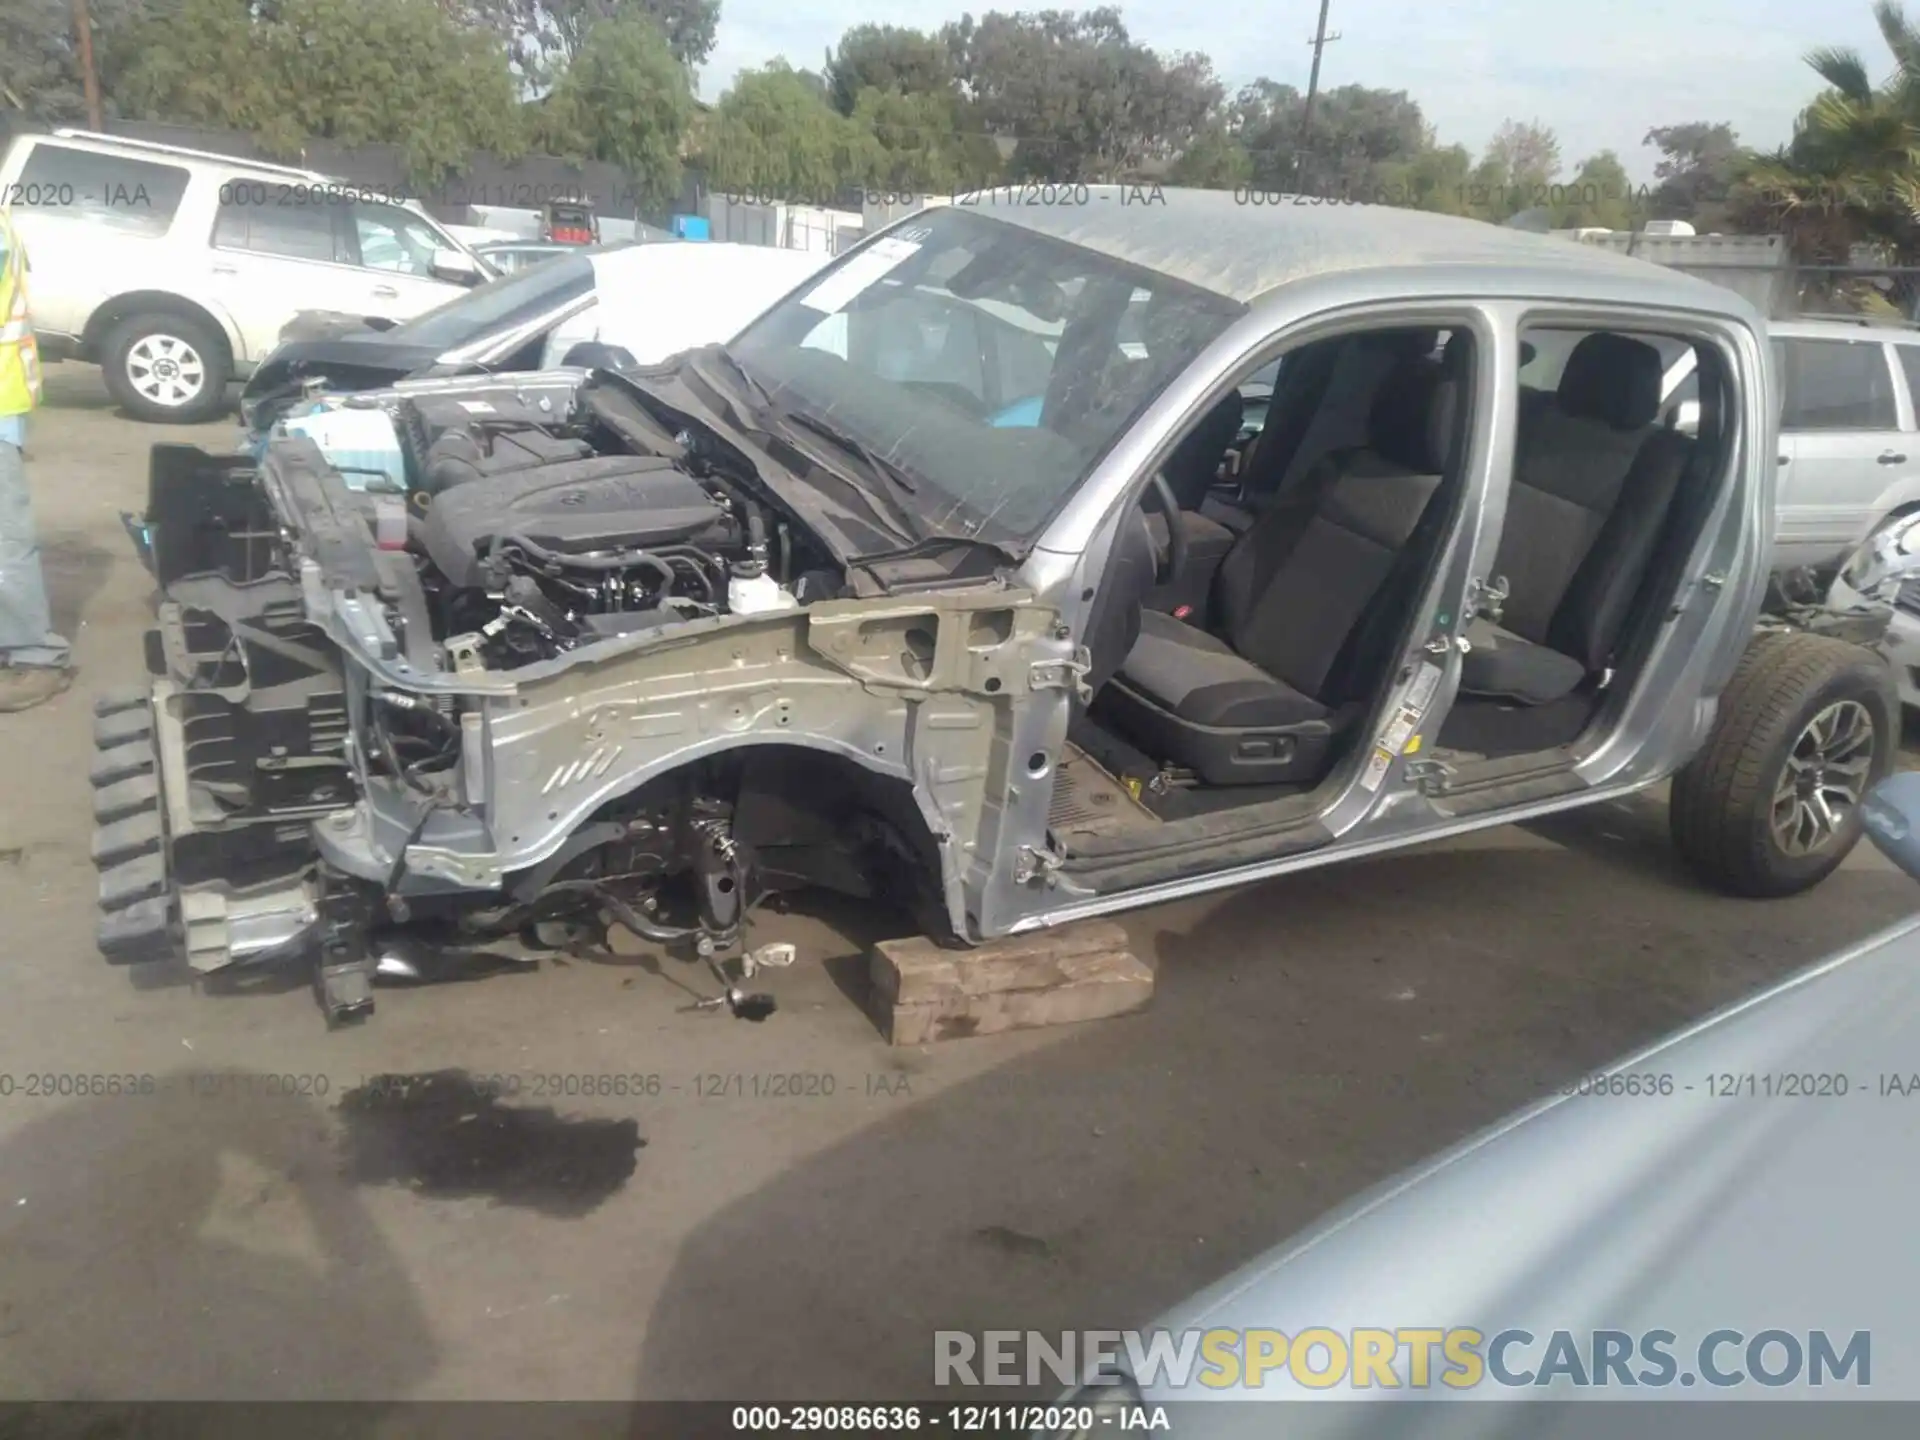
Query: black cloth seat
{"points": [[1196, 676], [1502, 666], [1593, 483], [1263, 700]]}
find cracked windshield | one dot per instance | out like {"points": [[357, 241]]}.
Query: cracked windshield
{"points": [[992, 364]]}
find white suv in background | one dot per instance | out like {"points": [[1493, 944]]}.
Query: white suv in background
{"points": [[1849, 436], [174, 270]]}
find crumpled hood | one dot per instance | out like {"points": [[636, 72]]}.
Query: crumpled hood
{"points": [[361, 360]]}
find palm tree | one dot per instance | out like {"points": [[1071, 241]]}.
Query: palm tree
{"points": [[1851, 173]]}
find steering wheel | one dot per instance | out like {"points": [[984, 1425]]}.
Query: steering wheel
{"points": [[1174, 563]]}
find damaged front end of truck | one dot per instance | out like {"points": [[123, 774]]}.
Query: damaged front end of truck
{"points": [[598, 662]]}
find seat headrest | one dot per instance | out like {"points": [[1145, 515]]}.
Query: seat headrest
{"points": [[1413, 418], [1613, 379], [1403, 344]]}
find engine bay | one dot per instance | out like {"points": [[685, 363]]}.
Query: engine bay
{"points": [[529, 528]]}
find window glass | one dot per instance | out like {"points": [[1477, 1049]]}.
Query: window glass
{"points": [[1022, 363], [499, 304], [978, 470], [1836, 385], [283, 226], [392, 238], [136, 196], [1910, 363], [921, 340]]}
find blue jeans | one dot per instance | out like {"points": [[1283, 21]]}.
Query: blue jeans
{"points": [[26, 627]]}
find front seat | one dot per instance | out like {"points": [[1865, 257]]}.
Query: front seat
{"points": [[1593, 482], [1262, 701]]}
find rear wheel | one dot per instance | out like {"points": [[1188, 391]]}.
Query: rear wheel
{"points": [[172, 369], [1771, 804]]}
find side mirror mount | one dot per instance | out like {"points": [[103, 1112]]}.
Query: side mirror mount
{"points": [[596, 355], [1892, 818], [456, 268]]}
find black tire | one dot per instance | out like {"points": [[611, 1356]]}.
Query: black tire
{"points": [[139, 344], [1722, 810]]}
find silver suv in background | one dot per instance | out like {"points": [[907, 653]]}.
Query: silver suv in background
{"points": [[174, 270], [1849, 453]]}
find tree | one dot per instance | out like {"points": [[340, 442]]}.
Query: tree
{"points": [[545, 36], [1433, 179], [921, 144], [1848, 176], [1216, 160], [1698, 167], [1600, 194], [353, 71], [40, 60], [888, 58], [1076, 96], [624, 99], [1358, 136], [202, 62], [397, 72], [1519, 164], [775, 135]]}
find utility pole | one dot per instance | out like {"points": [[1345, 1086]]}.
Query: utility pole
{"points": [[1321, 39], [83, 26]]}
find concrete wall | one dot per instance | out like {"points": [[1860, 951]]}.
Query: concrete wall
{"points": [[1756, 267]]}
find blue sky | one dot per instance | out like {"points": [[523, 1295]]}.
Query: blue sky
{"points": [[1599, 75]]}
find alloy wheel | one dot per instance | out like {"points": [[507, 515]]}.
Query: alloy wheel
{"points": [[1824, 779], [166, 370]]}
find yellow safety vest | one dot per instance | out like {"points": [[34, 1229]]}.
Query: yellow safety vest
{"points": [[19, 355]]}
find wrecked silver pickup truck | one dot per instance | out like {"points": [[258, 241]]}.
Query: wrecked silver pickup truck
{"points": [[958, 580]]}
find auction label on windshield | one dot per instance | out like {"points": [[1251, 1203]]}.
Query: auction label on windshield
{"points": [[863, 270]]}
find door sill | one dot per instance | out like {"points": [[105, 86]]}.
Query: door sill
{"points": [[1477, 786], [1197, 845]]}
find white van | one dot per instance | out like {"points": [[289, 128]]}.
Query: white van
{"points": [[174, 270]]}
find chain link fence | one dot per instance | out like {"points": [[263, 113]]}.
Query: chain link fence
{"points": [[1890, 293]]}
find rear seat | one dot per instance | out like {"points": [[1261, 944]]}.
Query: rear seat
{"points": [[1592, 485]]}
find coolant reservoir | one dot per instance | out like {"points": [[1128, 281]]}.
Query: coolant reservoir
{"points": [[360, 443], [389, 522], [757, 594]]}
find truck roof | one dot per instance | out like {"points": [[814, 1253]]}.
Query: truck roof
{"points": [[1223, 241]]}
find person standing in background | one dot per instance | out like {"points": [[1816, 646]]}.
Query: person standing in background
{"points": [[35, 663]]}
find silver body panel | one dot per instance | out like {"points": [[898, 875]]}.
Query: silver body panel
{"points": [[1722, 1201], [975, 736]]}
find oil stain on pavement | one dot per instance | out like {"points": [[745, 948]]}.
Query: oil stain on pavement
{"points": [[446, 1135]]}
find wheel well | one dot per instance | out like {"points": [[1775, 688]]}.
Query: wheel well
{"points": [[147, 302], [822, 819]]}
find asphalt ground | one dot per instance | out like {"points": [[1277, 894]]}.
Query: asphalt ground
{"points": [[652, 1203]]}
